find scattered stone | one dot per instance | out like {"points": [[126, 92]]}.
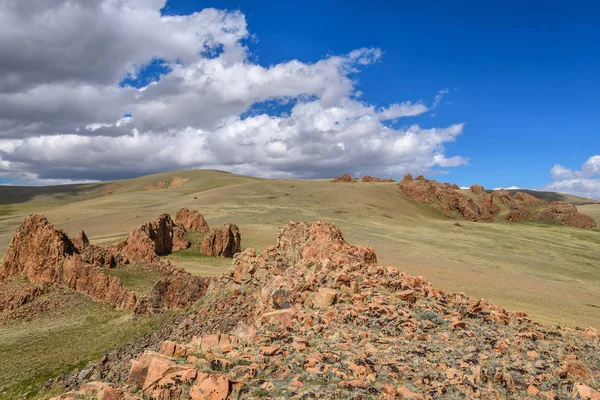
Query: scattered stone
{"points": [[591, 333], [315, 317]]}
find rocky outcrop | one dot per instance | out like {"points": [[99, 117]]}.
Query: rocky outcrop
{"points": [[499, 204], [223, 241], [177, 290], [477, 189], [44, 254], [369, 178], [344, 178], [191, 220], [180, 242], [447, 198], [153, 239], [17, 296], [316, 317], [97, 255], [567, 214]]}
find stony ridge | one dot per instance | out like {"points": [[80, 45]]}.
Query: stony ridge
{"points": [[499, 204], [315, 317], [367, 178], [46, 255]]}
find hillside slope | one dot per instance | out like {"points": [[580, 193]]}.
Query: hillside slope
{"points": [[549, 272], [314, 317]]}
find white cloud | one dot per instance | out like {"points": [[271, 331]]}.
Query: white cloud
{"points": [[62, 108], [585, 182], [507, 188]]}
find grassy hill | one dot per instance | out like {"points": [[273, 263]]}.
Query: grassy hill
{"points": [[550, 272], [555, 196]]}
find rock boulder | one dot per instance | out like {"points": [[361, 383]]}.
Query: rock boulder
{"points": [[223, 241], [191, 220]]}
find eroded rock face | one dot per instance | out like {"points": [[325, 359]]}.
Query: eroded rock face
{"points": [[191, 220], [320, 240], [177, 290], [81, 241], [44, 254], [477, 189], [12, 298], [150, 240], [567, 214], [179, 240], [487, 207], [447, 198], [223, 241]]}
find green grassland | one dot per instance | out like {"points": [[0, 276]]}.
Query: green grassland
{"points": [[550, 272], [34, 351]]}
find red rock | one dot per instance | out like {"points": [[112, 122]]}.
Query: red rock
{"points": [[406, 393], [574, 367], [269, 350], [179, 240], [567, 214], [456, 323], [477, 189], [150, 240], [191, 220], [343, 178], [140, 367], [177, 290], [210, 387], [99, 391], [355, 383], [586, 392], [282, 318], [44, 254], [447, 198], [224, 241], [591, 333], [268, 386], [528, 199], [324, 298], [533, 354], [484, 207], [81, 241], [408, 295], [532, 390]]}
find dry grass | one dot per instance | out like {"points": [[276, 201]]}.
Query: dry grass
{"points": [[550, 272]]}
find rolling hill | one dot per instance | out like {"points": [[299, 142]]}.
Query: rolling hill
{"points": [[550, 272]]}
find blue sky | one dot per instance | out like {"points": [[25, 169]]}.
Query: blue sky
{"points": [[523, 77]]}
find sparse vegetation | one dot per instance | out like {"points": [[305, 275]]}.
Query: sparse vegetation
{"points": [[550, 272], [40, 349]]}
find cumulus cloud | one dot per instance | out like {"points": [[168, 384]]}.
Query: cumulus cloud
{"points": [[67, 115], [585, 182], [507, 188]]}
